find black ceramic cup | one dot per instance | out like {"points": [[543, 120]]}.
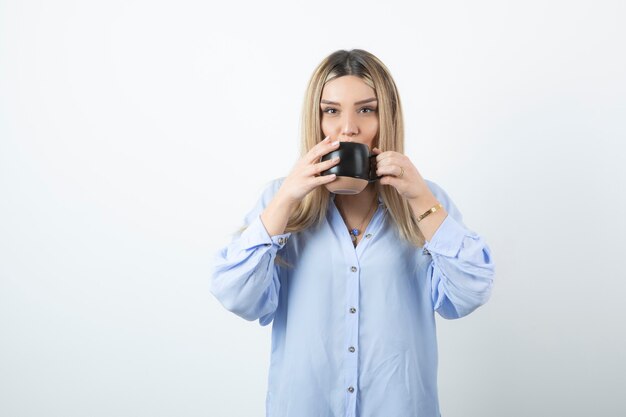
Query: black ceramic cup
{"points": [[355, 170]]}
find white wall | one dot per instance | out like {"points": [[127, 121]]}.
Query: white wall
{"points": [[135, 135]]}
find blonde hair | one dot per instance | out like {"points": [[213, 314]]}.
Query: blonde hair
{"points": [[357, 62]]}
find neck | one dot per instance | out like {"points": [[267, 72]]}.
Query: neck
{"points": [[358, 203]]}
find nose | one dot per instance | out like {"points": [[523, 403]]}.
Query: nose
{"points": [[349, 127]]}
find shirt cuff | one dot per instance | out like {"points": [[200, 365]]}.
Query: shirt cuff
{"points": [[256, 235], [448, 238]]}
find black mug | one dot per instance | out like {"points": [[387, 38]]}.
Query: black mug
{"points": [[354, 171]]}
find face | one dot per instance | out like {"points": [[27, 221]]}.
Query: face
{"points": [[350, 111]]}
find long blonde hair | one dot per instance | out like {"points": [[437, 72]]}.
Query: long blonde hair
{"points": [[311, 211]]}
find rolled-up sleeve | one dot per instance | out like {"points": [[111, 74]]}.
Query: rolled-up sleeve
{"points": [[462, 269], [245, 279]]}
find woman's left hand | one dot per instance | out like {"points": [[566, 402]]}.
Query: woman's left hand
{"points": [[398, 171]]}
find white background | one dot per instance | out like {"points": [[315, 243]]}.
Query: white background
{"points": [[135, 135]]}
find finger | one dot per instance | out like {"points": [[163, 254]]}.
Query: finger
{"points": [[384, 159], [323, 142], [384, 155], [315, 169], [321, 149], [389, 180], [387, 170], [323, 166], [310, 155], [324, 179]]}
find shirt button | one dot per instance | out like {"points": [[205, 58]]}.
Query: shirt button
{"points": [[351, 349], [426, 252], [368, 235], [352, 310], [281, 240], [350, 389], [353, 269]]}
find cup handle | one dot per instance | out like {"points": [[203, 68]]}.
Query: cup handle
{"points": [[372, 174]]}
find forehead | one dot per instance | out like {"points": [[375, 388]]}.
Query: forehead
{"points": [[347, 88]]}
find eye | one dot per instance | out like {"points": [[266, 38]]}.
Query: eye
{"points": [[329, 110], [368, 110]]}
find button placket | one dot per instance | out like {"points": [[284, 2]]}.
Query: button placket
{"points": [[352, 326]]}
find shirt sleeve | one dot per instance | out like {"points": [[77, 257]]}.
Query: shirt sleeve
{"points": [[462, 268], [245, 279]]}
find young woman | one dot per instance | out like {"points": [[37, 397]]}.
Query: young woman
{"points": [[351, 282]]}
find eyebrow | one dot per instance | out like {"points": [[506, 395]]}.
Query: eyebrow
{"points": [[367, 100]]}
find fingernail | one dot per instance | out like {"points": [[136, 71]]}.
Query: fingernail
{"points": [[335, 143], [326, 139]]}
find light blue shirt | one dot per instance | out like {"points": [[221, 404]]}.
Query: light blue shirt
{"points": [[353, 330]]}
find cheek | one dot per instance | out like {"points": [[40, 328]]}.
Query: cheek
{"points": [[372, 128], [327, 126]]}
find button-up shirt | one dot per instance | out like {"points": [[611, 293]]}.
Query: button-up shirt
{"points": [[353, 330]]}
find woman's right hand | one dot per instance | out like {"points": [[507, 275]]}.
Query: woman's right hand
{"points": [[305, 176]]}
